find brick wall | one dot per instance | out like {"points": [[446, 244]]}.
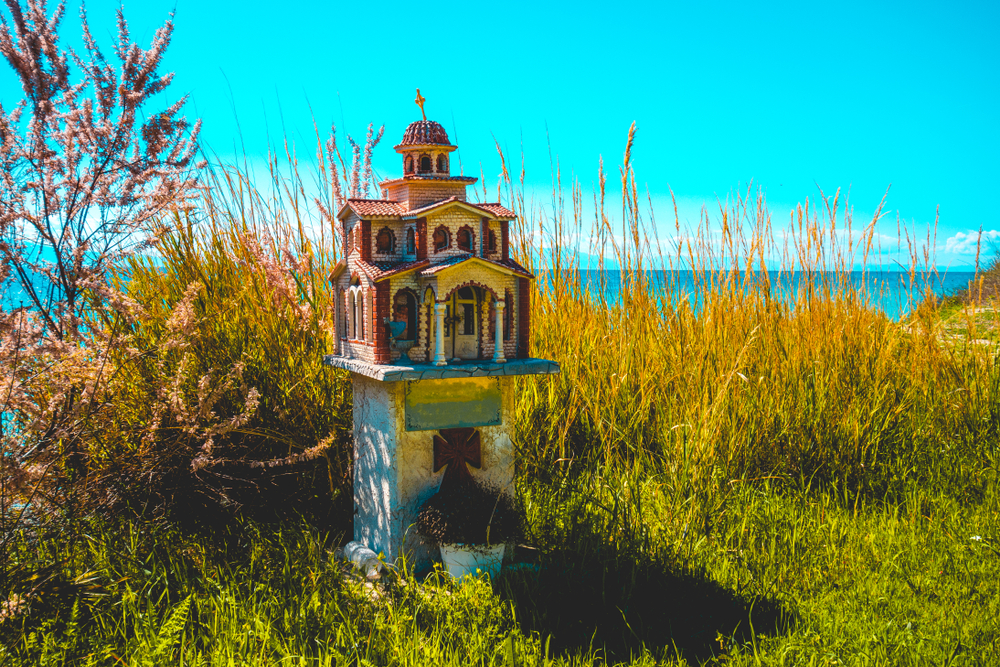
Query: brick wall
{"points": [[417, 194], [379, 328], [422, 193], [452, 219], [480, 276], [365, 241], [505, 239], [421, 238]]}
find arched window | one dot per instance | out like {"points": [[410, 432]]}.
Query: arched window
{"points": [[344, 315], [425, 164], [465, 239], [361, 315], [491, 245], [385, 242], [411, 242], [409, 164], [354, 315], [442, 164], [404, 309], [441, 238]]}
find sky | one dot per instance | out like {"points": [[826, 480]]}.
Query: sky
{"points": [[790, 97]]}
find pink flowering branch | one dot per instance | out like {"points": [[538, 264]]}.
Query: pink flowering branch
{"points": [[86, 169]]}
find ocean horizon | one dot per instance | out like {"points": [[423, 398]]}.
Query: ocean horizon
{"points": [[895, 293]]}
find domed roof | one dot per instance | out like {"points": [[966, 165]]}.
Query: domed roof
{"points": [[423, 132]]}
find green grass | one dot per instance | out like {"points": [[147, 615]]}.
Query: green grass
{"points": [[781, 576]]}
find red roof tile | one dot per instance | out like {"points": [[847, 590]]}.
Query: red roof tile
{"points": [[381, 270], [513, 266], [444, 264], [377, 208], [498, 210], [424, 132]]}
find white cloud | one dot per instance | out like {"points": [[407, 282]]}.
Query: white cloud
{"points": [[963, 243]]}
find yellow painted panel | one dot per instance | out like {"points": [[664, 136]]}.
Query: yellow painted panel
{"points": [[452, 403]]}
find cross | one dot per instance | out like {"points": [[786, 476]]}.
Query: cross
{"points": [[457, 448], [420, 103]]}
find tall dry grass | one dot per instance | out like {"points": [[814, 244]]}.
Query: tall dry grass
{"points": [[731, 381]]}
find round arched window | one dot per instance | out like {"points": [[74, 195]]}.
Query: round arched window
{"points": [[409, 164], [441, 240], [425, 164], [385, 242], [442, 164], [465, 239], [411, 242]]}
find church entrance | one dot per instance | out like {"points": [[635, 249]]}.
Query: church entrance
{"points": [[461, 324]]}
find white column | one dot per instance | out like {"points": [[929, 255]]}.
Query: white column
{"points": [[439, 359], [498, 357]]}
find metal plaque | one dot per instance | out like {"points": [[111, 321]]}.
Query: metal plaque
{"points": [[436, 404]]}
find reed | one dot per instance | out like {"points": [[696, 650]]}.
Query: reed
{"points": [[732, 381]]}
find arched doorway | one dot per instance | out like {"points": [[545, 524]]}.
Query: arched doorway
{"points": [[462, 325]]}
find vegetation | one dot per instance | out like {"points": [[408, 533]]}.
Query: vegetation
{"points": [[720, 475], [470, 513]]}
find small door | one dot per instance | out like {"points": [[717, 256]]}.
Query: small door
{"points": [[461, 325]]}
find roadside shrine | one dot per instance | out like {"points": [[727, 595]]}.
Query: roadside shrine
{"points": [[433, 323]]}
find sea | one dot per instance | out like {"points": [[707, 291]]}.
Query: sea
{"points": [[896, 293]]}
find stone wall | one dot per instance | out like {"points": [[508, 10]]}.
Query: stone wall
{"points": [[417, 194]]}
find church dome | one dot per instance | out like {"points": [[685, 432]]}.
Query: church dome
{"points": [[424, 132]]}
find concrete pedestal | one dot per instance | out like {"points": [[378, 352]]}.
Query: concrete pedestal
{"points": [[397, 412]]}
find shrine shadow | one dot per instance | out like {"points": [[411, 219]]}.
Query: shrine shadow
{"points": [[607, 600]]}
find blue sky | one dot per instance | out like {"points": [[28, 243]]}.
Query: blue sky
{"points": [[858, 96]]}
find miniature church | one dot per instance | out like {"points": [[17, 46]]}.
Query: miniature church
{"points": [[433, 322]]}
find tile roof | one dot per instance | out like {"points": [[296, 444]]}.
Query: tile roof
{"points": [[378, 208], [444, 264], [497, 209], [337, 270], [494, 210], [381, 270], [424, 132], [427, 177], [513, 266]]}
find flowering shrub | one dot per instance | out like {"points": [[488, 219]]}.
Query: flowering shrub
{"points": [[162, 325]]}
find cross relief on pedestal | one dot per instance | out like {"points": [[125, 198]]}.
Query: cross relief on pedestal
{"points": [[457, 448]]}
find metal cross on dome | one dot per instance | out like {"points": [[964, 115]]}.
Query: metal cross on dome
{"points": [[420, 103], [457, 448]]}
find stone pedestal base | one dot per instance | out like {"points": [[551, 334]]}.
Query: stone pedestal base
{"points": [[397, 413]]}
